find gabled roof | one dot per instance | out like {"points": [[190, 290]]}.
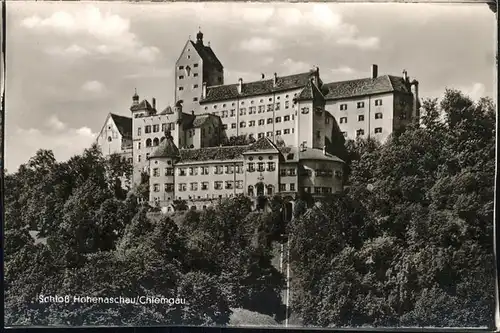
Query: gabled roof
{"points": [[207, 54], [262, 144], [124, 125], [311, 92], [255, 88], [167, 148], [144, 105], [363, 87]]}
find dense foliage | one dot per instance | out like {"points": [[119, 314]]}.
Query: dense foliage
{"points": [[409, 243]]}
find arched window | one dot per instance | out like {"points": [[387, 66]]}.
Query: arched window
{"points": [[156, 142], [109, 139], [250, 191], [148, 143]]}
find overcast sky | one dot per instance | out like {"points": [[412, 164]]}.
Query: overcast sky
{"points": [[69, 64]]}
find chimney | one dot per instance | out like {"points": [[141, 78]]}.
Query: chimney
{"points": [[374, 71], [153, 101], [263, 76], [405, 75], [414, 91], [240, 85], [275, 79], [204, 90]]}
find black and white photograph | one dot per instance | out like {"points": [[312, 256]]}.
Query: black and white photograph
{"points": [[236, 164]]}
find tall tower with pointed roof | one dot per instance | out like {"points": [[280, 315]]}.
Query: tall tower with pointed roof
{"points": [[196, 65]]}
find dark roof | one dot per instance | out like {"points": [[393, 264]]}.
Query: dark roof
{"points": [[207, 54], [311, 92], [262, 144], [167, 110], [167, 148], [124, 124], [362, 87], [199, 120], [262, 87], [212, 154], [144, 105]]}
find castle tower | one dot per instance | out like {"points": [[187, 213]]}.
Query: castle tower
{"points": [[196, 65]]}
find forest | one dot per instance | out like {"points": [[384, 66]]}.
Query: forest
{"points": [[408, 243]]}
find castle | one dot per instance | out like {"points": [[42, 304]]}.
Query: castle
{"points": [[261, 138]]}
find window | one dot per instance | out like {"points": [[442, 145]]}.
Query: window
{"points": [[260, 135], [271, 166], [147, 129], [270, 133], [287, 104], [286, 131], [317, 190], [343, 120], [181, 77], [218, 170], [195, 86], [242, 124], [360, 105], [283, 172], [243, 111], [233, 112], [181, 67], [148, 143], [286, 118], [361, 117], [181, 88], [261, 121], [278, 119], [193, 171], [169, 171], [229, 169], [233, 125], [260, 166], [269, 120], [195, 74], [169, 187], [139, 131], [195, 99], [250, 190], [182, 172], [218, 185], [269, 107], [318, 134], [225, 114], [156, 128], [252, 110], [182, 187], [156, 187], [204, 170], [378, 115], [194, 186], [378, 102], [156, 172], [251, 167], [343, 107], [378, 129], [360, 132], [138, 158], [229, 184], [251, 123], [278, 132], [204, 186], [305, 110], [261, 108], [277, 106], [110, 139], [270, 189], [195, 65], [239, 184], [138, 145], [292, 187], [224, 126]]}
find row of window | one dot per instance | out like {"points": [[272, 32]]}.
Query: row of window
{"points": [[204, 170], [360, 105], [291, 187], [269, 106], [361, 132], [156, 128], [361, 117], [194, 65], [318, 190]]}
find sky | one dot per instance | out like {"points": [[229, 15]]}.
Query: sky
{"points": [[71, 63]]}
